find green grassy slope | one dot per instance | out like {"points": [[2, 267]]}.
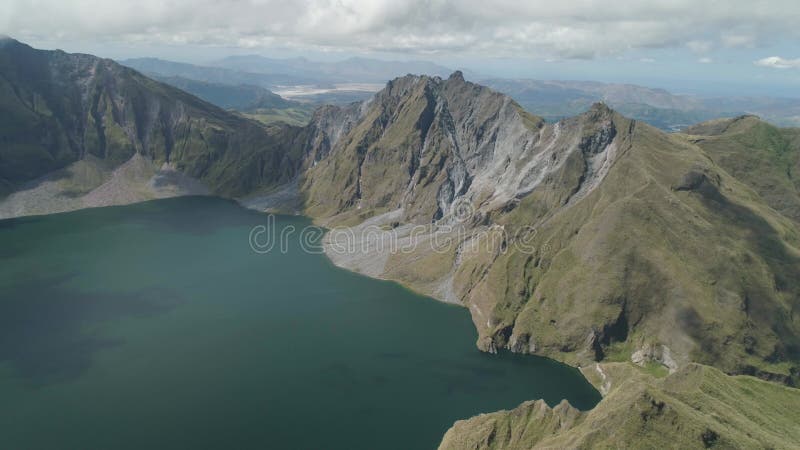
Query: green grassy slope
{"points": [[694, 408], [668, 250], [296, 116], [369, 172], [764, 157]]}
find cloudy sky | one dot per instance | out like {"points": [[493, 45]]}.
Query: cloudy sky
{"points": [[747, 46]]}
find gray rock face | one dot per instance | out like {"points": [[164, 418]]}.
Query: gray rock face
{"points": [[655, 353], [425, 143], [328, 125]]}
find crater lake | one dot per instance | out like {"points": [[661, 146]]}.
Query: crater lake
{"points": [[156, 325]]}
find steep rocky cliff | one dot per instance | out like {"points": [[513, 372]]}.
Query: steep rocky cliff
{"points": [[424, 142]]}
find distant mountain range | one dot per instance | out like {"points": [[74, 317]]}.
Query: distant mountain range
{"points": [[241, 97], [552, 100], [253, 101], [351, 70], [324, 89], [164, 68], [558, 99]]}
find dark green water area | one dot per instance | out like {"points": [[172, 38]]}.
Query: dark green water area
{"points": [[156, 325]]}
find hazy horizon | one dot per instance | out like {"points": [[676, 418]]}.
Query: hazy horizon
{"points": [[735, 48]]}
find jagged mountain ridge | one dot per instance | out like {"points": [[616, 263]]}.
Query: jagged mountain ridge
{"points": [[648, 248]]}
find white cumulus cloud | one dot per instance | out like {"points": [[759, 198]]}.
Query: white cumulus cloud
{"points": [[776, 62]]}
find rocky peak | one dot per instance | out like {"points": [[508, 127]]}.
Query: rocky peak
{"points": [[329, 124], [598, 115], [456, 76], [12, 48], [454, 85], [600, 108], [457, 141]]}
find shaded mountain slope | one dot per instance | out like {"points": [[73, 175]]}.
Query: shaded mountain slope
{"points": [[59, 108]]}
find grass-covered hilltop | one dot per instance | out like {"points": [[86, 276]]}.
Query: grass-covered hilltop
{"points": [[666, 266]]}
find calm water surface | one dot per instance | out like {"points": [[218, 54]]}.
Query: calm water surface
{"points": [[156, 326]]}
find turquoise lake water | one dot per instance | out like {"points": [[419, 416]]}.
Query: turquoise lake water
{"points": [[156, 326]]}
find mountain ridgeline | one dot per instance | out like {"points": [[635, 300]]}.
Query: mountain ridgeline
{"points": [[661, 250]]}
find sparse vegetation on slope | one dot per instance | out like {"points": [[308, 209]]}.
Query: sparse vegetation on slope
{"points": [[764, 157], [694, 408]]}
